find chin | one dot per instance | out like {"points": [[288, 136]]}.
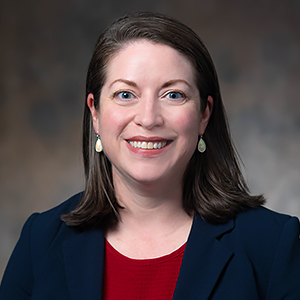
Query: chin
{"points": [[151, 176], [147, 179]]}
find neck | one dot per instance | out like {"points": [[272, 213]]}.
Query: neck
{"points": [[148, 200], [153, 219]]}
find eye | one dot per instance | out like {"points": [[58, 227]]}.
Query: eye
{"points": [[124, 95], [175, 95]]}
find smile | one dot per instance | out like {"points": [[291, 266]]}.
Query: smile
{"points": [[147, 145]]}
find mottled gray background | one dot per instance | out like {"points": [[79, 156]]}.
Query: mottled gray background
{"points": [[45, 50]]}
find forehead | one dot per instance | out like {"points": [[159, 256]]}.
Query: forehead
{"points": [[146, 56]]}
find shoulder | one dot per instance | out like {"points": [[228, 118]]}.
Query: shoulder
{"points": [[261, 222], [53, 215], [261, 213], [270, 242], [264, 235], [41, 239], [44, 227], [63, 208], [260, 233]]}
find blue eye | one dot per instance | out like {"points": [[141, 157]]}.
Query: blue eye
{"points": [[125, 95], [175, 95]]}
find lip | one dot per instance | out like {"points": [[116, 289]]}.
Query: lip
{"points": [[148, 152], [148, 139]]}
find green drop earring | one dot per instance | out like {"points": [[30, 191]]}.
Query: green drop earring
{"points": [[201, 145]]}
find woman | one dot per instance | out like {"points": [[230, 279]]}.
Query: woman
{"points": [[166, 213]]}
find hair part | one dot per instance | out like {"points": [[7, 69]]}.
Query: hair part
{"points": [[213, 184]]}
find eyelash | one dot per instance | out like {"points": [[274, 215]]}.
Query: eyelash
{"points": [[118, 93], [181, 96]]}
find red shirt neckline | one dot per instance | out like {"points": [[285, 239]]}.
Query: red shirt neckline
{"points": [[147, 261]]}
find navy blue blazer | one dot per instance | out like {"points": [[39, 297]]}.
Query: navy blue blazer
{"points": [[254, 256]]}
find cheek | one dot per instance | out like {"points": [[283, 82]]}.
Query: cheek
{"points": [[107, 121], [111, 121], [188, 123]]}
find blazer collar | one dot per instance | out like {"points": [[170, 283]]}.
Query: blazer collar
{"points": [[203, 261], [84, 263]]}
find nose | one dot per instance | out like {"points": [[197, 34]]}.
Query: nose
{"points": [[149, 113]]}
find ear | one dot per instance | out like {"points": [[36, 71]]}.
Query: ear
{"points": [[94, 112], [206, 115]]}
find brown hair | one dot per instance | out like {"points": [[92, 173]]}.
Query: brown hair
{"points": [[213, 185]]}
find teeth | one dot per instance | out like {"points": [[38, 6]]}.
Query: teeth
{"points": [[145, 145]]}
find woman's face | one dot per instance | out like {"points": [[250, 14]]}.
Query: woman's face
{"points": [[149, 118]]}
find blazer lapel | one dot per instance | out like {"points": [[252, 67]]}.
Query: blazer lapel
{"points": [[203, 261], [84, 259]]}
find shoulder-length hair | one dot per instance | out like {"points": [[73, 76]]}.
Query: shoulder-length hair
{"points": [[213, 184]]}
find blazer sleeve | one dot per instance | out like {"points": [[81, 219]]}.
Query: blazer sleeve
{"points": [[285, 276], [17, 281]]}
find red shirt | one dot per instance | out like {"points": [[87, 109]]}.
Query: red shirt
{"points": [[130, 279]]}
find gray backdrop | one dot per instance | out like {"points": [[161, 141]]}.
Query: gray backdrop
{"points": [[45, 50]]}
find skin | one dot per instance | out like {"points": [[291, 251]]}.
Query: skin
{"points": [[149, 96]]}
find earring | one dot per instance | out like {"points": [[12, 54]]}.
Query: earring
{"points": [[98, 145], [201, 145]]}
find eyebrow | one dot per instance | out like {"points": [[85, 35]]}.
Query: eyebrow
{"points": [[165, 85], [129, 82], [171, 82]]}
